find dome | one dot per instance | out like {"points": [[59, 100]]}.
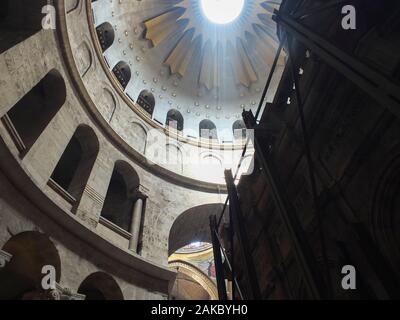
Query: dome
{"points": [[132, 167], [187, 60]]}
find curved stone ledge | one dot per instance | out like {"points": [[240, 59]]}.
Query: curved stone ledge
{"points": [[148, 274], [114, 138]]}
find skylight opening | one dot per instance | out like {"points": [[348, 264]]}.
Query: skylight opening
{"points": [[222, 11]]}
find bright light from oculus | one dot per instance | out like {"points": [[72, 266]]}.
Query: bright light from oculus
{"points": [[222, 11]]}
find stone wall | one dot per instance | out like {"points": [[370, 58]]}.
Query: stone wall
{"points": [[29, 202]]}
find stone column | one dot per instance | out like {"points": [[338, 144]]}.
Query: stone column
{"points": [[136, 221]]}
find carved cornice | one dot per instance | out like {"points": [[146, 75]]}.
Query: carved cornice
{"points": [[62, 293]]}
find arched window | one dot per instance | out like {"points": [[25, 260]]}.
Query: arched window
{"points": [[100, 286], [146, 101], [19, 19], [120, 196], [75, 165], [208, 130], [174, 120], [239, 130], [124, 203], [105, 33], [123, 73], [198, 218], [21, 278], [31, 115]]}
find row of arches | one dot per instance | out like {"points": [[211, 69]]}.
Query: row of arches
{"points": [[14, 16], [27, 120], [146, 100], [21, 278]]}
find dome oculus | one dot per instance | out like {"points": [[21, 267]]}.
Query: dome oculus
{"points": [[222, 11]]}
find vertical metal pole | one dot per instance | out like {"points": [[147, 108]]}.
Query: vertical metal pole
{"points": [[269, 80], [238, 225], [231, 234], [218, 260]]}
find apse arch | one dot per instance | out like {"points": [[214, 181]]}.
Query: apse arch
{"points": [[100, 286], [21, 278], [193, 225]]}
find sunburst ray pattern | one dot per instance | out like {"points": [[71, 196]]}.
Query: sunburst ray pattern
{"points": [[216, 42]]}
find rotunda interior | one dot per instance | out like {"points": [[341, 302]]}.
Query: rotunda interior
{"points": [[199, 149]]}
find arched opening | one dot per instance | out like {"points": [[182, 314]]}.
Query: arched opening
{"points": [[19, 19], [105, 33], [21, 278], [192, 283], [75, 165], [193, 225], [191, 254], [210, 168], [174, 120], [28, 118], [123, 73], [121, 196], [239, 130], [208, 130], [147, 101], [100, 286], [125, 204]]}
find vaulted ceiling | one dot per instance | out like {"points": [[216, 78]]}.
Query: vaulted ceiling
{"points": [[190, 64]]}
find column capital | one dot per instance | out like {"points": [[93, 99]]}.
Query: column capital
{"points": [[63, 293], [140, 193], [4, 258]]}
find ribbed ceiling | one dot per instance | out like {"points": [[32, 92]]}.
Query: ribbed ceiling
{"points": [[202, 69]]}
